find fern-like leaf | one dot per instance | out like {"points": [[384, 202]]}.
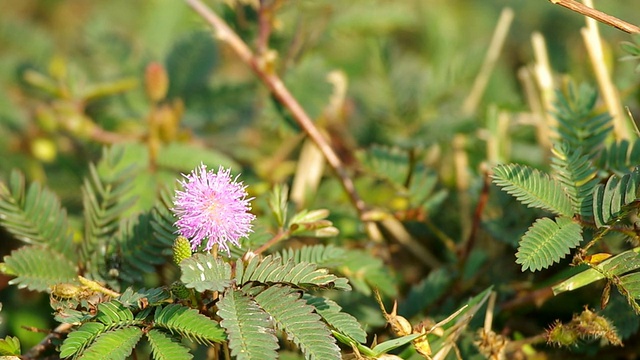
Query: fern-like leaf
{"points": [[163, 220], [164, 347], [113, 313], [533, 188], [578, 176], [139, 250], [322, 255], [612, 201], [34, 216], [78, 339], [299, 321], [272, 270], [113, 345], [188, 323], [391, 164], [546, 242], [31, 272], [332, 314], [619, 157], [106, 197], [577, 124], [205, 272], [248, 327]]}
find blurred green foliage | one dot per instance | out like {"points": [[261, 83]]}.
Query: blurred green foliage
{"points": [[74, 78]]}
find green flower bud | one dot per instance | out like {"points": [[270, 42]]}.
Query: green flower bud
{"points": [[179, 290], [181, 249]]}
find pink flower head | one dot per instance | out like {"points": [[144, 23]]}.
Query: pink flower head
{"points": [[212, 206]]}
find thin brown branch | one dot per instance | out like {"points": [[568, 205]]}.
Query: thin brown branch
{"points": [[598, 15], [282, 94], [46, 343]]}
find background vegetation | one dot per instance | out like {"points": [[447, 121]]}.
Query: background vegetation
{"points": [[390, 84]]}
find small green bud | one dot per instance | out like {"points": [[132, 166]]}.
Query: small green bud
{"points": [[179, 290], [181, 249]]}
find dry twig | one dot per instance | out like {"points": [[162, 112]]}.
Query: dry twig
{"points": [[598, 15]]}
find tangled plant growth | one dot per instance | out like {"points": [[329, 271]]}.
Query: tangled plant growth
{"points": [[400, 249]]}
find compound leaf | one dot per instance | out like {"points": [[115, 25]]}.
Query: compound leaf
{"points": [[34, 216], [321, 255], [164, 347], [299, 321], [248, 327], [78, 340], [26, 263], [115, 344], [332, 314], [188, 323], [533, 188], [205, 272], [114, 313], [271, 269], [546, 242]]}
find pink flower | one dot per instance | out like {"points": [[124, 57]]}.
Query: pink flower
{"points": [[212, 206]]}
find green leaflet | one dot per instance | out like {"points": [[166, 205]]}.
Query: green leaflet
{"points": [[164, 347], [246, 325], [321, 255], [34, 216], [162, 219], [114, 313], [577, 175], [619, 157], [612, 201], [546, 242], [578, 125], [390, 163], [188, 323], [31, 272], [139, 249], [205, 272], [78, 340], [116, 344], [533, 188], [271, 269], [107, 197], [299, 321], [332, 313]]}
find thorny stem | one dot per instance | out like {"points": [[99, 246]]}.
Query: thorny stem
{"points": [[280, 92], [598, 15]]}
